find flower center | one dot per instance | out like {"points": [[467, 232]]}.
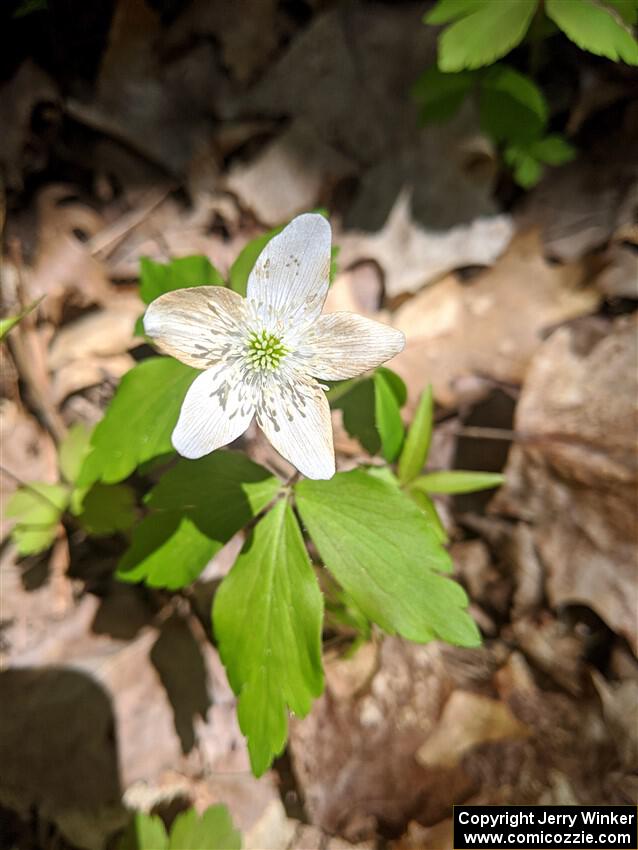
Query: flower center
{"points": [[265, 351]]}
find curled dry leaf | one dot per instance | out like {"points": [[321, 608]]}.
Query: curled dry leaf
{"points": [[574, 478]]}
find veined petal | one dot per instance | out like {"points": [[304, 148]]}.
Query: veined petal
{"points": [[197, 325], [342, 345], [218, 408], [290, 278], [294, 414]]}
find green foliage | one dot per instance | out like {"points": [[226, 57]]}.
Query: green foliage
{"points": [[139, 420], [512, 107], [479, 31], [383, 552], [73, 450], [194, 510], [10, 322], [104, 509], [527, 161], [371, 409], [457, 481], [428, 508], [387, 412], [440, 95], [37, 509], [267, 618], [214, 830], [417, 443], [600, 27]]}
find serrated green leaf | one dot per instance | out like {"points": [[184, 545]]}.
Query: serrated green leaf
{"points": [[481, 32], [158, 278], [267, 618], [427, 506], [512, 107], [440, 95], [214, 830], [387, 415], [37, 510], [552, 150], [595, 27], [139, 421], [73, 450], [104, 508], [417, 442], [457, 481], [11, 321], [144, 832], [195, 509], [527, 169], [386, 555]]}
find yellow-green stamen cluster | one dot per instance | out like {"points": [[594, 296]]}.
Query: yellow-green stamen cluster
{"points": [[265, 351]]}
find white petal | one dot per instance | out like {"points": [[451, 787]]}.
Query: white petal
{"points": [[196, 325], [290, 277], [295, 416], [342, 345], [218, 408]]}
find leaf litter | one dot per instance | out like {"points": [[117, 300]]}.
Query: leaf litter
{"points": [[526, 298]]}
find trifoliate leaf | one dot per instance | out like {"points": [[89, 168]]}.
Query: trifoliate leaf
{"points": [[73, 450], [480, 31], [104, 508], [552, 150], [387, 416], [386, 555], [144, 832], [512, 107], [214, 830], [158, 278], [267, 618], [417, 442], [457, 481], [37, 510], [440, 95], [597, 27], [139, 421], [11, 321], [195, 509]]}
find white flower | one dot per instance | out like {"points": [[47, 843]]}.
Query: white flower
{"points": [[263, 354]]}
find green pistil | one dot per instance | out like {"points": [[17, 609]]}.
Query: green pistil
{"points": [[265, 351]]}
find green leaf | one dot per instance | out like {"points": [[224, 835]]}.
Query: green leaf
{"points": [[552, 150], [386, 555], [356, 398], [104, 508], [417, 443], [457, 481], [11, 321], [195, 509], [267, 617], [158, 278], [73, 450], [144, 832], [387, 416], [480, 31], [139, 421], [28, 7], [440, 95], [595, 27], [37, 509], [627, 9], [243, 265], [427, 506], [527, 169], [512, 107], [214, 830]]}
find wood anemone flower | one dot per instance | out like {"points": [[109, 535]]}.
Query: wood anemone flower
{"points": [[265, 354]]}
